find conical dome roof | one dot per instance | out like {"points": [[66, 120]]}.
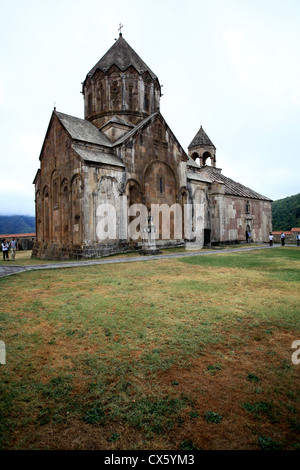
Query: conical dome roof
{"points": [[123, 56], [201, 139]]}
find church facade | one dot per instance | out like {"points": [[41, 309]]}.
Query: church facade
{"points": [[123, 153]]}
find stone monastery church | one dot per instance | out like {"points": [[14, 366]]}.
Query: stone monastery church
{"points": [[123, 149]]}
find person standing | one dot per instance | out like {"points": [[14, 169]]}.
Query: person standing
{"points": [[282, 236], [5, 246], [298, 239], [13, 248], [271, 239]]}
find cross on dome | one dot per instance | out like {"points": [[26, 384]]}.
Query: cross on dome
{"points": [[120, 27]]}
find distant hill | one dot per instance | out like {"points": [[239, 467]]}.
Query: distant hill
{"points": [[286, 213], [10, 224]]}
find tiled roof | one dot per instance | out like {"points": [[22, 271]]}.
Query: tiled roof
{"points": [[83, 130], [18, 235], [201, 139], [297, 229], [286, 232], [97, 156], [123, 56], [232, 187]]}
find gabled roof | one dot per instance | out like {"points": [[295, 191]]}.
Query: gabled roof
{"points": [[130, 133], [82, 130], [123, 56], [98, 156], [201, 139], [144, 123], [118, 120], [232, 187]]}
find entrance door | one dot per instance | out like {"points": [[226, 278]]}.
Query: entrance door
{"points": [[207, 233], [247, 231]]}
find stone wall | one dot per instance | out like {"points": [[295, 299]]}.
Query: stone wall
{"points": [[59, 189], [290, 238], [56, 251], [24, 242], [233, 216]]}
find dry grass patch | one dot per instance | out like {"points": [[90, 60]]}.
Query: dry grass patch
{"points": [[153, 355]]}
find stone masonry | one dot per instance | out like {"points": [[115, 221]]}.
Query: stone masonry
{"points": [[124, 150]]}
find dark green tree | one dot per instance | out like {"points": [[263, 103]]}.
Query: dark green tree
{"points": [[286, 213]]}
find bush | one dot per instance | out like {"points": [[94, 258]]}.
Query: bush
{"points": [[212, 417], [266, 443]]}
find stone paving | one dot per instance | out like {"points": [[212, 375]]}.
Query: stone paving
{"points": [[15, 269]]}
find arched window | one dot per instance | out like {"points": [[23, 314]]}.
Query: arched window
{"points": [[146, 102], [160, 187], [196, 158], [205, 156], [55, 193], [130, 100]]}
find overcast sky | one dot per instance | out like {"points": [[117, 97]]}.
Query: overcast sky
{"points": [[231, 65]]}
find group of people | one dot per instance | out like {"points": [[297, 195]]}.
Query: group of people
{"points": [[282, 238], [9, 247]]}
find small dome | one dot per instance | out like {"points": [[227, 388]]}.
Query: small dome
{"points": [[201, 139]]}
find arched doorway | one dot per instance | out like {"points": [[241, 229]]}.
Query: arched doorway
{"points": [[248, 230]]}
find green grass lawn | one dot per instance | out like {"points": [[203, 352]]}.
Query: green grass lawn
{"points": [[190, 353]]}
